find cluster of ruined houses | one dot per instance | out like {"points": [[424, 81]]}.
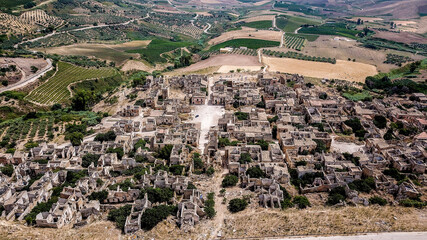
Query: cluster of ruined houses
{"points": [[73, 206], [289, 121], [299, 110]]}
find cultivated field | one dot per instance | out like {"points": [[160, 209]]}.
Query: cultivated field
{"points": [[293, 42], [27, 22], [404, 37], [345, 70], [330, 47], [109, 52], [55, 90], [258, 18], [247, 33], [229, 60]]}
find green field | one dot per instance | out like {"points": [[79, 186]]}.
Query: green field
{"points": [[55, 89], [249, 43], [259, 24], [340, 29], [291, 23], [13, 3], [158, 46], [309, 37]]}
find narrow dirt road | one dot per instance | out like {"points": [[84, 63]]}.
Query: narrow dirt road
{"points": [[221, 209], [29, 79]]}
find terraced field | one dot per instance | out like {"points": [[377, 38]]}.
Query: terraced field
{"points": [[55, 89]]}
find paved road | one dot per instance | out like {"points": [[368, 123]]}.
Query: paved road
{"points": [[209, 26], [29, 79], [369, 236]]}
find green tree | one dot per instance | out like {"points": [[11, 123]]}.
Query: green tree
{"points": [[76, 138], [301, 202], [152, 216], [90, 158], [229, 181], [380, 121], [255, 172], [245, 158], [237, 205]]}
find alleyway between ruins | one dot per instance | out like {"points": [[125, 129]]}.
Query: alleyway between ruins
{"points": [[208, 116]]}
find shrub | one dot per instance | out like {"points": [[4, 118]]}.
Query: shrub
{"points": [[237, 205], [90, 158], [380, 121], [152, 216], [245, 158], [377, 200], [165, 152], [100, 196], [229, 181], [210, 171], [176, 169], [255, 172], [363, 185], [7, 170], [105, 137], [119, 215], [336, 195], [301, 202], [119, 151], [157, 195], [242, 116], [210, 205], [413, 203]]}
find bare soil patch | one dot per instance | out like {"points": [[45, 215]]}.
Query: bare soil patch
{"points": [[404, 37], [224, 60], [247, 33], [229, 68], [25, 63], [345, 70]]}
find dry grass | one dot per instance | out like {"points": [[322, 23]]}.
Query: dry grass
{"points": [[247, 33], [253, 222], [322, 220], [258, 18], [238, 61], [344, 70]]}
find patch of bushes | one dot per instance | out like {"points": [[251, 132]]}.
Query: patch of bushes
{"points": [[152, 216], [301, 202], [377, 200], [119, 215], [237, 205], [210, 205], [229, 181]]}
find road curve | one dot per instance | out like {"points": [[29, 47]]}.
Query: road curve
{"points": [[29, 79]]}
